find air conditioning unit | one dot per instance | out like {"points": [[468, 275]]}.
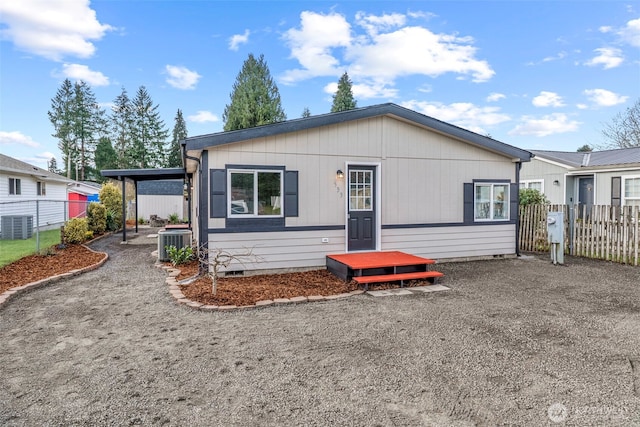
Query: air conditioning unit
{"points": [[16, 227], [178, 238]]}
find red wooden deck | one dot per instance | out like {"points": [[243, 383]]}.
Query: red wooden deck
{"points": [[364, 260], [389, 266]]}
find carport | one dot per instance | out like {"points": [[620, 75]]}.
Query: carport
{"points": [[136, 175]]}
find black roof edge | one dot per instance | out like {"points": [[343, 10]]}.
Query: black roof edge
{"points": [[145, 174], [221, 138]]}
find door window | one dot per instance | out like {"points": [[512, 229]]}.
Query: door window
{"points": [[360, 190]]}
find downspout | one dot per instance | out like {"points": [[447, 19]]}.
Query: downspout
{"points": [[185, 156], [202, 213], [518, 167]]}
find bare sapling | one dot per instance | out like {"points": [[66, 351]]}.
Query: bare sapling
{"points": [[220, 258]]}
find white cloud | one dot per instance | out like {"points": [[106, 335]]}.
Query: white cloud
{"points": [[631, 32], [495, 96], [545, 125], [237, 39], [181, 77], [557, 57], [608, 57], [326, 45], [203, 117], [82, 72], [365, 90], [52, 29], [463, 114], [604, 98], [17, 138], [547, 99]]}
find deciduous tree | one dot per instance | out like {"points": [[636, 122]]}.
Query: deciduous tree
{"points": [[624, 129]]}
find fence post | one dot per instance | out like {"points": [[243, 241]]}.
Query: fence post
{"points": [[37, 226]]}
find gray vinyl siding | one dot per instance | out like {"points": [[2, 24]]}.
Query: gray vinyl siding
{"points": [[603, 184], [422, 172], [540, 170]]}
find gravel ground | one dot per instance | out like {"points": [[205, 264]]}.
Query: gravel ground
{"points": [[510, 340]]}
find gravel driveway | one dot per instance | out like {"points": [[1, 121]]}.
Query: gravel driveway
{"points": [[514, 342]]}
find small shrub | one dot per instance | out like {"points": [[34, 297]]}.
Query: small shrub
{"points": [[112, 220], [88, 235], [141, 221], [51, 250], [531, 196], [97, 217], [75, 230], [180, 256], [111, 198], [174, 218]]}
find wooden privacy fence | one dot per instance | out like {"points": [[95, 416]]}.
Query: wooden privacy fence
{"points": [[602, 232]]}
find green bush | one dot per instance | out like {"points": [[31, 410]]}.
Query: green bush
{"points": [[531, 196], [75, 230], [111, 198], [97, 218], [179, 256], [174, 218]]}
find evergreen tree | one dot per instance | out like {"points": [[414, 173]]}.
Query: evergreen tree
{"points": [[306, 113], [105, 157], [174, 158], [255, 99], [61, 117], [88, 123], [122, 128], [52, 165], [585, 149], [149, 134], [343, 99]]}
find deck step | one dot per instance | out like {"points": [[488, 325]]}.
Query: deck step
{"points": [[396, 277]]}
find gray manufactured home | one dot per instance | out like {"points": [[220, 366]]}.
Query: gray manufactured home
{"points": [[378, 178]]}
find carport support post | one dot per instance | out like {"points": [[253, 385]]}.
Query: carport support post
{"points": [[135, 185], [124, 210]]}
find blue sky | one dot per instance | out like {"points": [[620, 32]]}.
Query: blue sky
{"points": [[534, 74]]}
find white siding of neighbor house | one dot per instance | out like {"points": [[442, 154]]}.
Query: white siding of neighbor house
{"points": [[50, 209], [422, 172], [303, 249], [548, 172]]}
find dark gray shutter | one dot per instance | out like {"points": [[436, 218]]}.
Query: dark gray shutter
{"points": [[290, 193], [468, 203], [616, 191], [514, 194], [218, 196]]}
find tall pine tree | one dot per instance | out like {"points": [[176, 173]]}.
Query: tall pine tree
{"points": [[89, 124], [61, 117], [121, 119], [105, 157], [343, 99], [174, 158], [149, 135], [255, 99]]}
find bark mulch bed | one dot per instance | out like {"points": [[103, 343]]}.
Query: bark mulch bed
{"points": [[37, 267], [242, 291]]}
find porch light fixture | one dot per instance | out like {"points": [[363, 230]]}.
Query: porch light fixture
{"points": [[556, 182], [339, 174]]}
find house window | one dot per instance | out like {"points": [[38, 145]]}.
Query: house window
{"points": [[631, 191], [14, 186], [41, 188], [491, 201], [255, 193], [535, 184]]}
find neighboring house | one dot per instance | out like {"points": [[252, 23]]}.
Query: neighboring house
{"points": [[162, 198], [29, 193], [370, 179], [610, 177]]}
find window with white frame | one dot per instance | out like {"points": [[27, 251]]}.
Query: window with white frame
{"points": [[535, 184], [15, 187], [491, 201], [41, 188], [255, 193], [631, 191]]}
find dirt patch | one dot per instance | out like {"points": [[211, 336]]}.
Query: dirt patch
{"points": [[37, 267]]}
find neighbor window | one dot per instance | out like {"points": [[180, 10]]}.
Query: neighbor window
{"points": [[14, 186], [255, 193], [491, 201], [632, 191], [41, 188], [535, 184]]}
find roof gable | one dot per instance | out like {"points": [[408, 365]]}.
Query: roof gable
{"points": [[618, 157], [296, 125], [15, 166]]}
